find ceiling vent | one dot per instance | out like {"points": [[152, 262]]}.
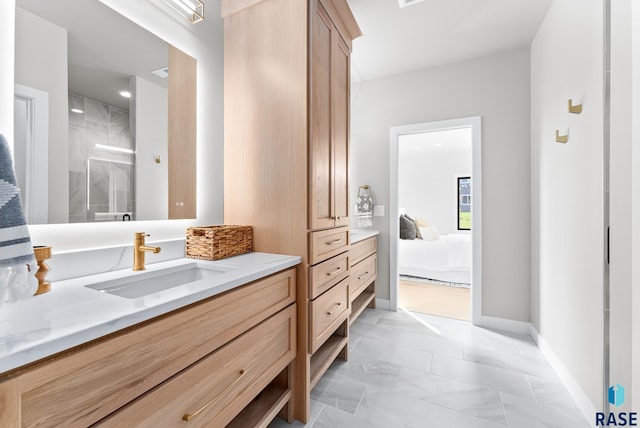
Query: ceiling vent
{"points": [[405, 3], [163, 73]]}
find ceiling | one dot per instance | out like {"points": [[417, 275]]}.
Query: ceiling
{"points": [[436, 32], [395, 40]]}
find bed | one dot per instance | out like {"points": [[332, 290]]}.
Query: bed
{"points": [[446, 259]]}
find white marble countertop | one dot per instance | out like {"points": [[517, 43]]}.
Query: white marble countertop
{"points": [[72, 314], [358, 235]]}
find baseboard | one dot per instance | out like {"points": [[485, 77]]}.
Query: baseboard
{"points": [[383, 304], [512, 326], [582, 400]]}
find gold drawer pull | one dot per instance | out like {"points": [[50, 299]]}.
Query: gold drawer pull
{"points": [[335, 241], [189, 416], [363, 275], [335, 271], [337, 304]]}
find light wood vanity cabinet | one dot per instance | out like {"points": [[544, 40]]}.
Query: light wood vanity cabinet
{"points": [[218, 355], [364, 271], [286, 106], [327, 312]]}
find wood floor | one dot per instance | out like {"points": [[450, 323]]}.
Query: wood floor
{"points": [[433, 299]]}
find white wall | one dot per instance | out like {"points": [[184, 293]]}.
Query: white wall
{"points": [[494, 87], [428, 185], [7, 45], [203, 43], [152, 179], [566, 190], [635, 207], [621, 320], [40, 44]]}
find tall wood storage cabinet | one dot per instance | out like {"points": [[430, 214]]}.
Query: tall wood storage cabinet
{"points": [[286, 109]]}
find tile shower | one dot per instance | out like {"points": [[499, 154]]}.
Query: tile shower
{"points": [[101, 162]]}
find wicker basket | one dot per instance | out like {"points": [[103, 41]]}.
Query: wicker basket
{"points": [[218, 242]]}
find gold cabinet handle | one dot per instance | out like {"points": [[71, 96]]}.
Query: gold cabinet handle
{"points": [[335, 271], [189, 416], [363, 275], [337, 304], [335, 241]]}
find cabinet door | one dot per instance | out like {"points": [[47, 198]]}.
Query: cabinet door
{"points": [[340, 128], [329, 119], [320, 165]]}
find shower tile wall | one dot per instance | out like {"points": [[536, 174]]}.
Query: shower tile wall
{"points": [[108, 173]]}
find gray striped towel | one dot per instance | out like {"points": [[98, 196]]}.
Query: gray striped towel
{"points": [[17, 280], [15, 243]]}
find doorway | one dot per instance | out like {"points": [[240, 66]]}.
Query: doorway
{"points": [[441, 263]]}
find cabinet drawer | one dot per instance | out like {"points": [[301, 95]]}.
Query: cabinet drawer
{"points": [[362, 275], [325, 275], [326, 313], [360, 250], [84, 385], [214, 390], [327, 243]]}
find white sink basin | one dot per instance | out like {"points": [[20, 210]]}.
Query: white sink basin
{"points": [[144, 283]]}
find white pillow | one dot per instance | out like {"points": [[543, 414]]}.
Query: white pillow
{"points": [[429, 233]]}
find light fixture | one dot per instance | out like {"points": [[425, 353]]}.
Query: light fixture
{"points": [[405, 3], [162, 73], [114, 148], [193, 10], [77, 110], [125, 94]]}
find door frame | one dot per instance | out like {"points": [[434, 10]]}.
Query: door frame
{"points": [[475, 123], [34, 152]]}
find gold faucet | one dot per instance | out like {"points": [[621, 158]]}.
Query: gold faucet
{"points": [[139, 249]]}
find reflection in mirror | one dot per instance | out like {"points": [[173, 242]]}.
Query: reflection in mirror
{"points": [[107, 145]]}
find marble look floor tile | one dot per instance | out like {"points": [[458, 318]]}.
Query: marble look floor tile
{"points": [[475, 400], [466, 333], [524, 413], [478, 374], [552, 392], [379, 373], [425, 342], [315, 409], [406, 325], [524, 342], [331, 417], [371, 350], [339, 391], [515, 362], [414, 370], [382, 407], [371, 331], [371, 316]]}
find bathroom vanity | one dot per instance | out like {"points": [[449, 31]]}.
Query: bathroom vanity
{"points": [[107, 350]]}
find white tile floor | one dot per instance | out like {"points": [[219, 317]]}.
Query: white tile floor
{"points": [[414, 370]]}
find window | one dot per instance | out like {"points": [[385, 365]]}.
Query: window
{"points": [[464, 203]]}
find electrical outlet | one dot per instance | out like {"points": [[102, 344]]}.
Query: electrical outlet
{"points": [[378, 210]]}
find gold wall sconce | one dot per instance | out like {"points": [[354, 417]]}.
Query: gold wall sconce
{"points": [[575, 109], [192, 10], [562, 138]]}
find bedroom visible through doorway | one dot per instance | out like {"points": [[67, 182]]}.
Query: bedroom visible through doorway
{"points": [[434, 253], [434, 199]]}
